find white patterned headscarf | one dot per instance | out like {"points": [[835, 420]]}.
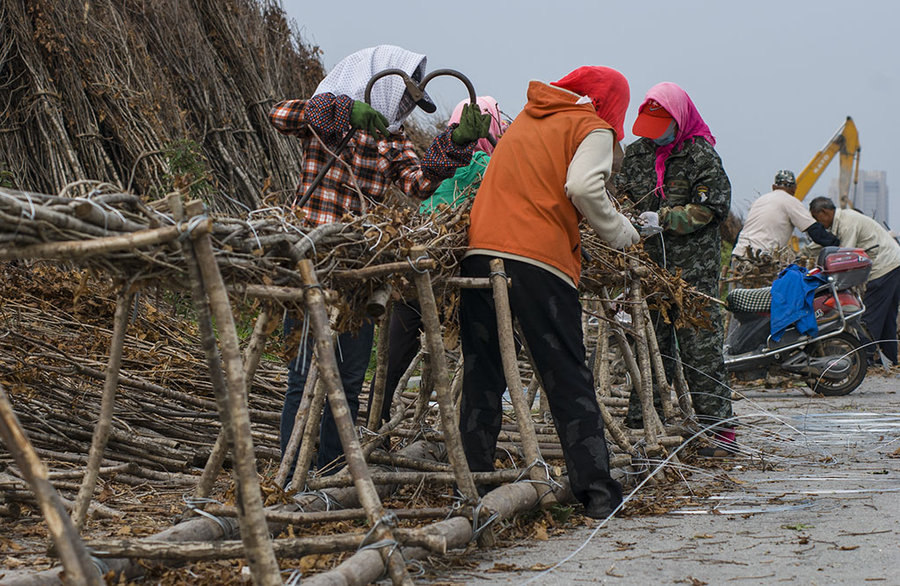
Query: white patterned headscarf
{"points": [[350, 76]]}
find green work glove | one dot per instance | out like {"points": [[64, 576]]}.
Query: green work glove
{"points": [[367, 118], [473, 124]]}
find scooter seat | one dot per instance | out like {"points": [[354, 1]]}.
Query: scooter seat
{"points": [[750, 300]]}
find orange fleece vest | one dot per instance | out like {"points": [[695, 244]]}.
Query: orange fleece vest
{"points": [[522, 207]]}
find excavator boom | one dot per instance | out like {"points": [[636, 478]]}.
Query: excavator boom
{"points": [[844, 143]]}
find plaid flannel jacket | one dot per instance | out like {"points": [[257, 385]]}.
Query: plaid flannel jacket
{"points": [[366, 165]]}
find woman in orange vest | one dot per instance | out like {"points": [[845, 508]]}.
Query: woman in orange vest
{"points": [[549, 171]]}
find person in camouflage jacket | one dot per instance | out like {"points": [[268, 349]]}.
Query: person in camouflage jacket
{"points": [[675, 177]]}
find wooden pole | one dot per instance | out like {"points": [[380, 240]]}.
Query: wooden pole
{"points": [[107, 407], [513, 380], [435, 346], [301, 420], [252, 354], [662, 383], [310, 432], [254, 530], [381, 360], [356, 462], [426, 387], [431, 325], [213, 363], [78, 249], [601, 379], [652, 425], [74, 555]]}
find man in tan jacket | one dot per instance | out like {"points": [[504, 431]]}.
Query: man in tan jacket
{"points": [[882, 297]]}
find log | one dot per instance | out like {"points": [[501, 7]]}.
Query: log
{"points": [[665, 389], [393, 478], [438, 360], [275, 293], [284, 548], [308, 518], [365, 567], [381, 358], [310, 432]]}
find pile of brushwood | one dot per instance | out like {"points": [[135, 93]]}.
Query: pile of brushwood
{"points": [[151, 96]]}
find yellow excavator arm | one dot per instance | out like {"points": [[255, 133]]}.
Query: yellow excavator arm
{"points": [[845, 142]]}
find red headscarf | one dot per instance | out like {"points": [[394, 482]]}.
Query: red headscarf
{"points": [[607, 89]]}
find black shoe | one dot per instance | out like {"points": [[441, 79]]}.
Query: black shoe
{"points": [[598, 509]]}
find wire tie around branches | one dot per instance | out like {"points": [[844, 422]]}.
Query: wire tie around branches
{"points": [[191, 225], [420, 569], [312, 242], [549, 480], [476, 528], [331, 503], [30, 203], [294, 578], [498, 274], [413, 263], [459, 501], [255, 235], [389, 519], [380, 235], [101, 207], [191, 503]]}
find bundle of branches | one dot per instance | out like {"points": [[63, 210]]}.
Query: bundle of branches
{"points": [[607, 270], [759, 269], [150, 96], [54, 339]]}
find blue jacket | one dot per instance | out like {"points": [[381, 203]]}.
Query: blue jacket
{"points": [[792, 301]]}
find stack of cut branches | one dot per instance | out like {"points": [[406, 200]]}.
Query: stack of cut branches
{"points": [[151, 95]]}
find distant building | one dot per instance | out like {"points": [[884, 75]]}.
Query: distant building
{"points": [[870, 196]]}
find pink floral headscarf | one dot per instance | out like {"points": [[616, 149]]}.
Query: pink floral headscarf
{"points": [[690, 124], [489, 106]]}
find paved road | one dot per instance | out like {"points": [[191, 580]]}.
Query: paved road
{"points": [[815, 501]]}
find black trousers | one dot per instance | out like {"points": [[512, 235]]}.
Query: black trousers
{"points": [[352, 351], [881, 299], [403, 345], [549, 314]]}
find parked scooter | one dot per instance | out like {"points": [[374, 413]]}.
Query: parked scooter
{"points": [[831, 362]]}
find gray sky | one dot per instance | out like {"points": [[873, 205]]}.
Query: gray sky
{"points": [[774, 80]]}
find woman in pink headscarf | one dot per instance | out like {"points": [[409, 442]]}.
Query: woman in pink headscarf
{"points": [[453, 190], [673, 174]]}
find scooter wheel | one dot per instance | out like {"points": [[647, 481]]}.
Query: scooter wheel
{"points": [[844, 346]]}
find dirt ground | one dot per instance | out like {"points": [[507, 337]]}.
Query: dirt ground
{"points": [[814, 499]]}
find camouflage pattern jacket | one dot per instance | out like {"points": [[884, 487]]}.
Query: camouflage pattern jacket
{"points": [[697, 199]]}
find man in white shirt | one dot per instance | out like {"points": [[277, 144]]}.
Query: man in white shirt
{"points": [[772, 219], [882, 297]]}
